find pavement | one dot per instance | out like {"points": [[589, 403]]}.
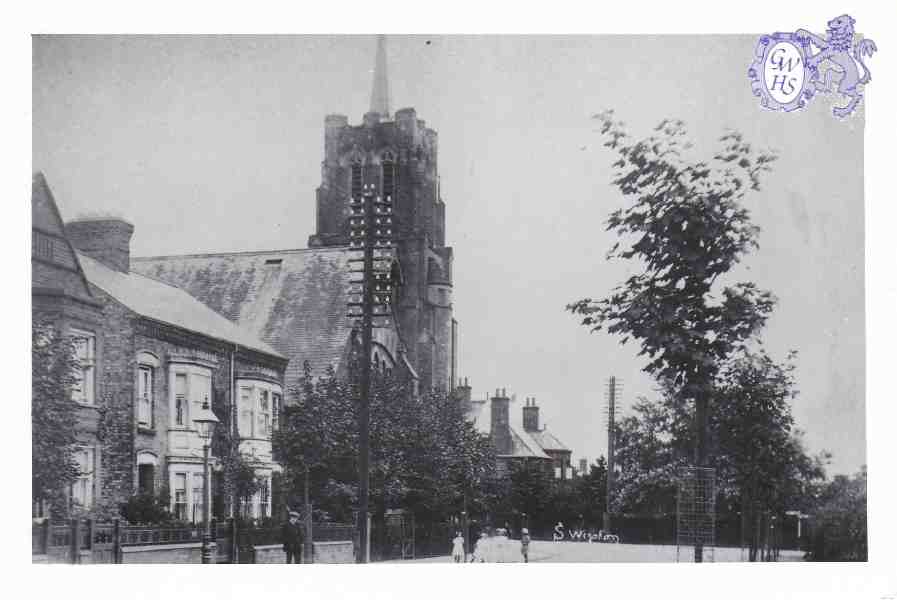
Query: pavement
{"points": [[584, 552]]}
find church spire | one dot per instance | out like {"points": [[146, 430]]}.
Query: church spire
{"points": [[380, 91]]}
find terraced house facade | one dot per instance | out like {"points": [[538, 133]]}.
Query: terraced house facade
{"points": [[152, 357]]}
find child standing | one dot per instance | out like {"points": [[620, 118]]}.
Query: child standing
{"points": [[524, 544], [458, 548]]}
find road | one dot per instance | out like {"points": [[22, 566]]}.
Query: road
{"points": [[582, 552]]}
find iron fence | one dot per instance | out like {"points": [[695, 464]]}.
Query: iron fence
{"points": [[148, 536]]}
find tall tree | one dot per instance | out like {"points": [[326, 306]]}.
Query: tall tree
{"points": [[840, 530], [759, 456], [686, 226], [53, 415], [425, 456]]}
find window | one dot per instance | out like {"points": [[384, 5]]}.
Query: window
{"points": [[82, 488], [200, 393], [145, 396], [146, 479], [246, 412], [389, 176], [180, 399], [275, 411], [258, 409], [197, 497], [192, 389], [264, 499], [356, 174], [264, 414], [180, 496], [85, 349]]}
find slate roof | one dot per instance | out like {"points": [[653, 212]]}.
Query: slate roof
{"points": [[547, 440], [162, 302], [295, 300], [523, 444]]}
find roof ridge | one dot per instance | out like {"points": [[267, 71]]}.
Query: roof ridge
{"points": [[241, 253]]}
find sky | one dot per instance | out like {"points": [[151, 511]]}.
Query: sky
{"points": [[212, 144]]}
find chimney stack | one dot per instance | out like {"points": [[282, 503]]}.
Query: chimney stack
{"points": [[500, 426], [530, 416], [105, 239]]}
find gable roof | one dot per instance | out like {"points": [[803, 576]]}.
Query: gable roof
{"points": [[295, 300], [547, 440], [162, 302], [522, 443], [524, 446], [54, 262]]}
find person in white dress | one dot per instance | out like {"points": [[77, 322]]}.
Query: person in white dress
{"points": [[458, 548]]}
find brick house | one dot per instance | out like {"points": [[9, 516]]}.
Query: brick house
{"points": [[531, 445], [154, 355]]}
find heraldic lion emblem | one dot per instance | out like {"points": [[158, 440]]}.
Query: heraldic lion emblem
{"points": [[844, 56]]}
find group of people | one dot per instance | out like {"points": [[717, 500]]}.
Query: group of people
{"points": [[492, 546]]}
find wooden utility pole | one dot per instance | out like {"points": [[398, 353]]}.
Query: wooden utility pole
{"points": [[370, 231], [612, 398]]}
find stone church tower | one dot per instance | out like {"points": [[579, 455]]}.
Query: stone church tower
{"points": [[397, 154]]}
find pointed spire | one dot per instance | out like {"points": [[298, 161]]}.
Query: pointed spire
{"points": [[380, 91]]}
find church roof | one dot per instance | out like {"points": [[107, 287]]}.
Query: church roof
{"points": [[165, 303], [295, 300], [547, 440]]}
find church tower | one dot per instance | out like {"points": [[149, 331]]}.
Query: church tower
{"points": [[398, 156]]}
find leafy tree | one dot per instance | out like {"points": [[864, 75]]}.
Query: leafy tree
{"points": [[238, 479], [686, 226], [146, 508], [762, 468], [840, 531], [759, 456], [53, 415], [531, 492], [593, 492], [425, 456], [647, 456]]}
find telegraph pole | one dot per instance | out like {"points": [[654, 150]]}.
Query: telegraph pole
{"points": [[370, 232], [612, 396]]}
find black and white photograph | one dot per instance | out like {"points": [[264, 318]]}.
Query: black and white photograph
{"points": [[458, 299]]}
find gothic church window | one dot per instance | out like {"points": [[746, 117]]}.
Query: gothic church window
{"points": [[388, 166], [357, 178]]}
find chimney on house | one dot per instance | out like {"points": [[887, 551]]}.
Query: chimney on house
{"points": [[530, 415], [105, 239], [462, 393], [500, 426]]}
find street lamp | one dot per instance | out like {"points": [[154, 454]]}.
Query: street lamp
{"points": [[205, 423]]}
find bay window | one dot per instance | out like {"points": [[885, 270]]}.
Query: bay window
{"points": [[192, 388], [258, 408]]}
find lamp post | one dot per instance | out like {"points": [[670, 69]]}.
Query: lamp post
{"points": [[205, 424]]}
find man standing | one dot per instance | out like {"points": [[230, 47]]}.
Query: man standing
{"points": [[524, 544], [292, 538]]}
